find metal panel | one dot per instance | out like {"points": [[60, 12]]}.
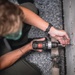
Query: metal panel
{"points": [[69, 25]]}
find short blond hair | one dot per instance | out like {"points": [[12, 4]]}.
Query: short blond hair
{"points": [[11, 16]]}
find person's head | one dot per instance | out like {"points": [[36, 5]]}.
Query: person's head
{"points": [[11, 18]]}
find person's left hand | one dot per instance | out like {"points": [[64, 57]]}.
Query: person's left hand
{"points": [[60, 35]]}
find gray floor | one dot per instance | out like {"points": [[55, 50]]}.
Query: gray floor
{"points": [[49, 10]]}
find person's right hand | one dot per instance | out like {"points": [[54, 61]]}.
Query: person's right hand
{"points": [[41, 39]]}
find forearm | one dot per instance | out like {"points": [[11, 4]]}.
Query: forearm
{"points": [[33, 19], [10, 58]]}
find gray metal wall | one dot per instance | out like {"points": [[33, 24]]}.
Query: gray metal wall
{"points": [[69, 22]]}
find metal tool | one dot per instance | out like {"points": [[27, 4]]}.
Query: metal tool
{"points": [[46, 44]]}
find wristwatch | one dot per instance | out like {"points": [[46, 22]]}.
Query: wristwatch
{"points": [[48, 28]]}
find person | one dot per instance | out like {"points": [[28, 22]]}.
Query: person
{"points": [[11, 18]]}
